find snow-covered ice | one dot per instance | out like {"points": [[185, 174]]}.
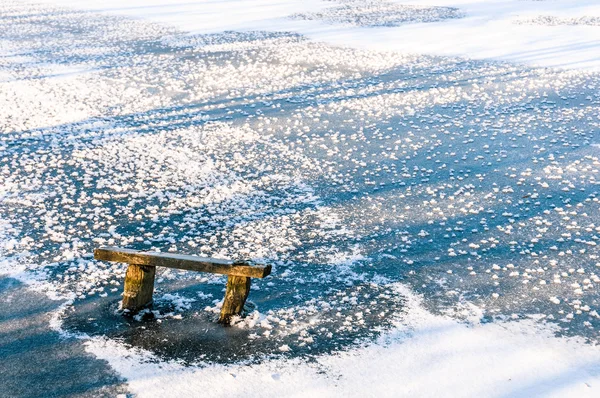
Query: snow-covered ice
{"points": [[426, 355], [430, 209], [552, 33]]}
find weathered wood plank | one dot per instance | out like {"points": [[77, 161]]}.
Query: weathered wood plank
{"points": [[139, 286], [181, 261]]}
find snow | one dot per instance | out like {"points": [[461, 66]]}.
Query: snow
{"points": [[425, 356], [432, 221], [7, 242], [559, 33]]}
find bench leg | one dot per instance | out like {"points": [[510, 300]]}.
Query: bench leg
{"points": [[238, 288], [139, 285]]}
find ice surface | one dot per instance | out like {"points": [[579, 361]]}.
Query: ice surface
{"points": [[436, 213]]}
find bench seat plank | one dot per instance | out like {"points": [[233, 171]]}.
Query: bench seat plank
{"points": [[181, 261]]}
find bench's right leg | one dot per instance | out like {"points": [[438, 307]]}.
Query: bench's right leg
{"points": [[236, 293], [139, 285]]}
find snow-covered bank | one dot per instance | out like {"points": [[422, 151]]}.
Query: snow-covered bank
{"points": [[559, 33], [425, 356]]}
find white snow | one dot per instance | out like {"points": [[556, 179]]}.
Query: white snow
{"points": [[8, 265], [492, 29], [250, 186], [425, 356]]}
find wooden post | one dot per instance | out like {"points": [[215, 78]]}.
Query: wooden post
{"points": [[139, 285], [236, 293]]}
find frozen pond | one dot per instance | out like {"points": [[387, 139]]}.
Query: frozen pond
{"points": [[474, 183]]}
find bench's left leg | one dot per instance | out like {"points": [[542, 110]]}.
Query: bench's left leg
{"points": [[238, 288], [139, 285]]}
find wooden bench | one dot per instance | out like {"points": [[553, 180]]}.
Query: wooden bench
{"points": [[139, 279]]}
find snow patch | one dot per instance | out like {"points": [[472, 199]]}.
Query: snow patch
{"points": [[487, 30], [520, 358]]}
